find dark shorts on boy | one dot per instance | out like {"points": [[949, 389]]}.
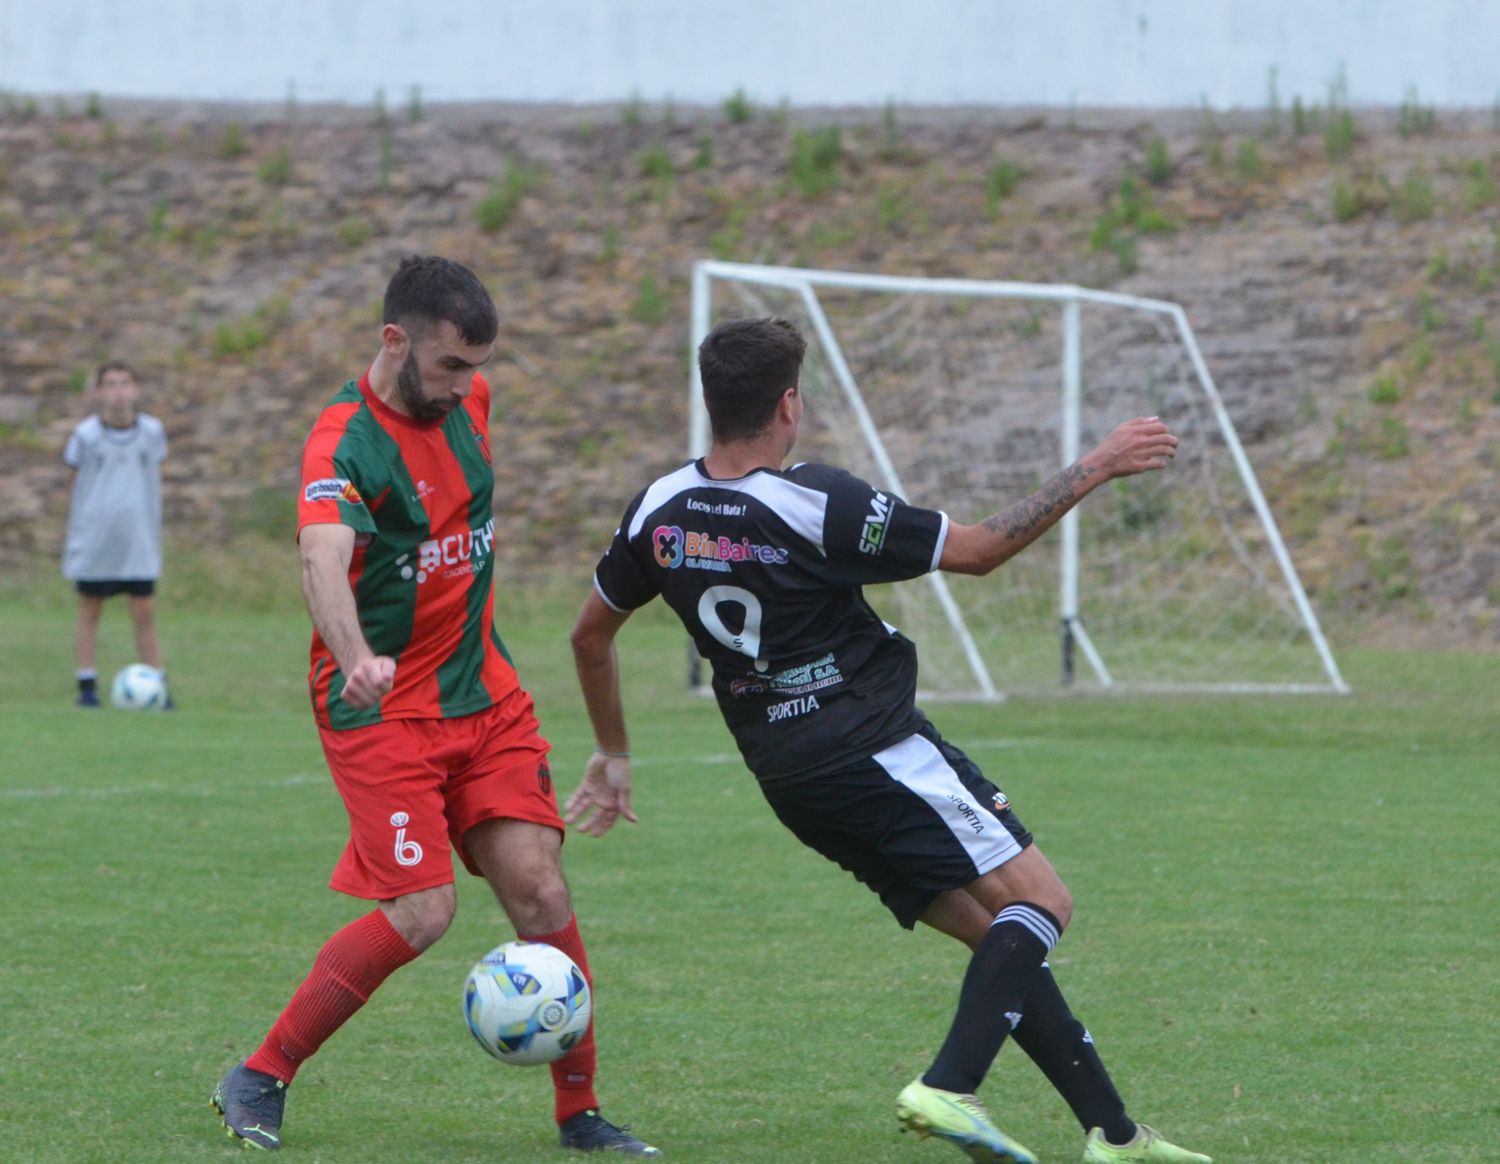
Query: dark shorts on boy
{"points": [[108, 588]]}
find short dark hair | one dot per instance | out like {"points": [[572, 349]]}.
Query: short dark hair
{"points": [[427, 289], [746, 365], [115, 366]]}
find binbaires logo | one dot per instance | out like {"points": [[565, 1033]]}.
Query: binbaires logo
{"points": [[675, 547]]}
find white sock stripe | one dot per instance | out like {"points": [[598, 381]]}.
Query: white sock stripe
{"points": [[1035, 921], [1038, 923]]}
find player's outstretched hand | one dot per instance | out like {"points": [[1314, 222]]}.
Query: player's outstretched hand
{"points": [[1137, 446], [603, 796], [369, 680]]}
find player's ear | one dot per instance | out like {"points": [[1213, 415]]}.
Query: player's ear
{"points": [[395, 339]]}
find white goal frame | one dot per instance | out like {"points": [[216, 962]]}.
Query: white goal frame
{"points": [[1069, 299]]}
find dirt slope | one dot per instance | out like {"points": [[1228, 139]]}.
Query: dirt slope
{"points": [[1344, 290]]}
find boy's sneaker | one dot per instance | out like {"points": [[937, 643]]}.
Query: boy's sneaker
{"points": [[1147, 1147], [87, 697], [251, 1104], [588, 1131], [959, 1119]]}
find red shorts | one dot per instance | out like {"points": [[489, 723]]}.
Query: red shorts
{"points": [[414, 787]]}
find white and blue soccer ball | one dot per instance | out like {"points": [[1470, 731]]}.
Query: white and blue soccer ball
{"points": [[527, 1003], [138, 688]]}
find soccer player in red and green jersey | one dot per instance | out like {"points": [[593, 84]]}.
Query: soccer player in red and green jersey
{"points": [[428, 733]]}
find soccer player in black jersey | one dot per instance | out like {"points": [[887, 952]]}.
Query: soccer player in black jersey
{"points": [[765, 567]]}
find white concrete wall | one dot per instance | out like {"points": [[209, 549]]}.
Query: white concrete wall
{"points": [[1153, 53]]}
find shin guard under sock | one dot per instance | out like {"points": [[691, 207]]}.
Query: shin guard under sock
{"points": [[1063, 1049], [345, 973], [996, 983]]}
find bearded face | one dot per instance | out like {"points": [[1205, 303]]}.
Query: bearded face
{"points": [[413, 394]]}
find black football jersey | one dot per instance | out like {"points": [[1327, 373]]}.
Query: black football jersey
{"points": [[766, 572]]}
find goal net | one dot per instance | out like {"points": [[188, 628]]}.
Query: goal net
{"points": [[966, 396]]}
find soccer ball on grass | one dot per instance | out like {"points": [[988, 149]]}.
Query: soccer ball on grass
{"points": [[527, 1002], [138, 688]]}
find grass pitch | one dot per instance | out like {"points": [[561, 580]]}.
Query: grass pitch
{"points": [[1284, 941]]}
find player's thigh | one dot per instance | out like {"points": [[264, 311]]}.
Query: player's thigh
{"points": [[959, 915], [503, 818], [91, 596], [503, 773], [390, 776], [1028, 877], [522, 862]]}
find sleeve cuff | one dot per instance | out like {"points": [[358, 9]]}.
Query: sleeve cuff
{"points": [[942, 540], [605, 598]]}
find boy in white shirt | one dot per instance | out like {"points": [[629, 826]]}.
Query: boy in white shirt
{"points": [[114, 519]]}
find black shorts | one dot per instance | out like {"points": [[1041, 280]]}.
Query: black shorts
{"points": [[135, 587], [912, 821]]}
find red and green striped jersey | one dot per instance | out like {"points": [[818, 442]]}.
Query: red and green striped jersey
{"points": [[419, 499]]}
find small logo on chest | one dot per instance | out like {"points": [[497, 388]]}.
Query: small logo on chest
{"points": [[480, 438]]}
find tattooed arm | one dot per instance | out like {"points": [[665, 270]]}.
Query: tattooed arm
{"points": [[1137, 446]]}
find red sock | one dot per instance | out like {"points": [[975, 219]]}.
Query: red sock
{"points": [[345, 973], [573, 1074]]}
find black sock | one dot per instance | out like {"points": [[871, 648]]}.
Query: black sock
{"points": [[87, 683], [999, 977], [1061, 1046]]}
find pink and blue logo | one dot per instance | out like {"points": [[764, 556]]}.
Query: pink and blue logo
{"points": [[668, 542]]}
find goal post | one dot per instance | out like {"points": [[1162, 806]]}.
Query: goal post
{"points": [[966, 395]]}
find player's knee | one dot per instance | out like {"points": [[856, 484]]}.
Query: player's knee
{"points": [[1060, 904], [422, 918], [1028, 878], [538, 903], [1049, 891], [1037, 881], [428, 928]]}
